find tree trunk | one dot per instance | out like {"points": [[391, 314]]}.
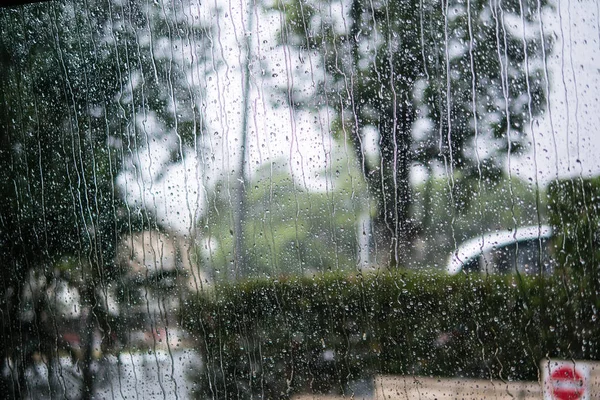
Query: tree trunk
{"points": [[87, 391], [389, 182], [393, 228]]}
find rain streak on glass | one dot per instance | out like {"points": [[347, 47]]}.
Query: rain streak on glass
{"points": [[299, 199]]}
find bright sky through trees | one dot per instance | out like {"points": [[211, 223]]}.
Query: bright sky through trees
{"points": [[566, 137]]}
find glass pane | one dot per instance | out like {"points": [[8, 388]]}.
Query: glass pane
{"points": [[299, 198]]}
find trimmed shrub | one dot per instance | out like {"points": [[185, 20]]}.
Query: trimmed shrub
{"points": [[274, 338]]}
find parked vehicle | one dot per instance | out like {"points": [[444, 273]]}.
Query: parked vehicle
{"points": [[524, 250]]}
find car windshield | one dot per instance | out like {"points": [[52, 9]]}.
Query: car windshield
{"points": [[299, 198]]}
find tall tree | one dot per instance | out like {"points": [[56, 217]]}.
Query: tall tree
{"points": [[80, 82], [443, 83]]}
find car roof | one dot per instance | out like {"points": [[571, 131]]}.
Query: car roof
{"points": [[478, 245]]}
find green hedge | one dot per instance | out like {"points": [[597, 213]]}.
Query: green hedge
{"points": [[273, 338]]}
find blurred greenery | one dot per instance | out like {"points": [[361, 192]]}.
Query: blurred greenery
{"points": [[79, 82], [434, 81], [449, 215], [81, 86], [273, 338], [288, 228], [574, 214]]}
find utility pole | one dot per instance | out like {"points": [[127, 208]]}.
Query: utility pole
{"points": [[241, 267]]}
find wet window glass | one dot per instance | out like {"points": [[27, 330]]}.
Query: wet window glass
{"points": [[299, 199]]}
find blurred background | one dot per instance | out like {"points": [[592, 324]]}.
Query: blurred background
{"points": [[183, 182]]}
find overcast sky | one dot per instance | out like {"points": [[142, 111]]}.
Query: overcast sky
{"points": [[568, 140]]}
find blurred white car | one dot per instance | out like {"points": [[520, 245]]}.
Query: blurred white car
{"points": [[525, 249]]}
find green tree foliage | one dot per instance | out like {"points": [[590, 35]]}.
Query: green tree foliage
{"points": [[575, 216], [79, 83], [438, 81], [287, 229]]}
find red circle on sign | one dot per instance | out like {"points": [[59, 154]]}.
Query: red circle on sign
{"points": [[566, 383]]}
